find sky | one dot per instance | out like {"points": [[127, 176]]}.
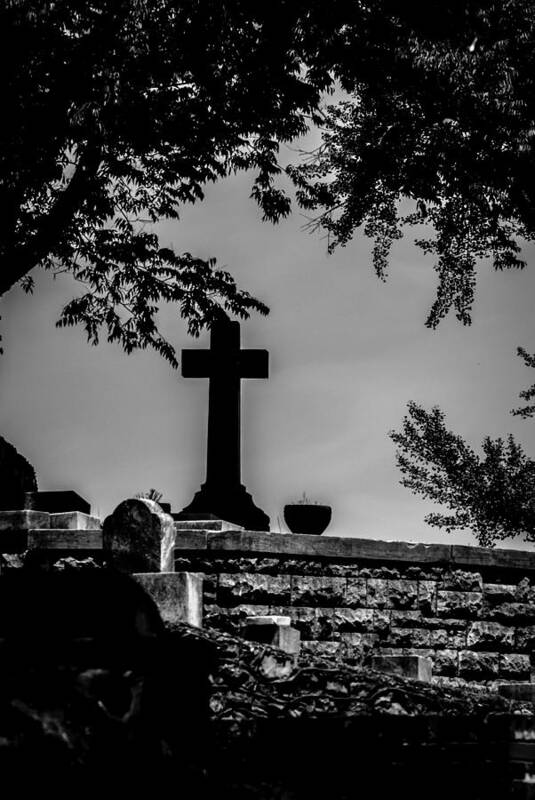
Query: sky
{"points": [[347, 353]]}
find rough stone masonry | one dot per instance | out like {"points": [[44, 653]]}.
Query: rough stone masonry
{"points": [[471, 610]]}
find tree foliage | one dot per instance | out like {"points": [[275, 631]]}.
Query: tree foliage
{"points": [[439, 130], [116, 114], [527, 394], [492, 494]]}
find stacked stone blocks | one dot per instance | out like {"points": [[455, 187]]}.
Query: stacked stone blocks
{"points": [[475, 623]]}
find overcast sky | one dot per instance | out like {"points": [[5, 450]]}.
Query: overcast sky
{"points": [[347, 353]]}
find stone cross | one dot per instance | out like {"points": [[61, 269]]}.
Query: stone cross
{"points": [[225, 365]]}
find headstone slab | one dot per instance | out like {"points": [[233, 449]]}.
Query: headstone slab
{"points": [[17, 476], [56, 502], [135, 535], [178, 595]]}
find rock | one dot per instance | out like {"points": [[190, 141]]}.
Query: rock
{"points": [[311, 591], [459, 604], [478, 666], [17, 476], [399, 594], [416, 667], [133, 535], [490, 636], [273, 630]]}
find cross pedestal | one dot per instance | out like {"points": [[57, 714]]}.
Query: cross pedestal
{"points": [[222, 494]]}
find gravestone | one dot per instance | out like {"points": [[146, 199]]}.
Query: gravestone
{"points": [[223, 495], [17, 476], [134, 536]]}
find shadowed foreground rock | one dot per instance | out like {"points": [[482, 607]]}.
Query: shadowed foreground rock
{"points": [[96, 693], [92, 688]]}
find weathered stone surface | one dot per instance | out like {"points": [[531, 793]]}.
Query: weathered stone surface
{"points": [[427, 596], [23, 520], [490, 636], [512, 612], [475, 665], [414, 667], [312, 591], [321, 648], [459, 604], [355, 593], [268, 619], [56, 502], [349, 620], [64, 539], [75, 520], [14, 526], [525, 638], [251, 589], [212, 524], [460, 581], [446, 662], [135, 534], [270, 631], [515, 665], [495, 593], [391, 593], [178, 595], [17, 476], [409, 637], [446, 638], [230, 619], [524, 692], [407, 619]]}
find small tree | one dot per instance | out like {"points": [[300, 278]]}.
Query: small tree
{"points": [[492, 494]]}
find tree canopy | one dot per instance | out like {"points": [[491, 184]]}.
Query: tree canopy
{"points": [[116, 114], [492, 494], [446, 121]]}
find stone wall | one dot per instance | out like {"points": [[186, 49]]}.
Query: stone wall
{"points": [[470, 609]]}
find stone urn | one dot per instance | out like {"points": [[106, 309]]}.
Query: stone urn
{"points": [[310, 518]]}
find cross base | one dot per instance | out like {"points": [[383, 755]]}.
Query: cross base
{"points": [[234, 505]]}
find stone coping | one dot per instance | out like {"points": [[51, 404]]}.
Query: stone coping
{"points": [[232, 544]]}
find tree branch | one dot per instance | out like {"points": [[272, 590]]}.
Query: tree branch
{"points": [[17, 261]]}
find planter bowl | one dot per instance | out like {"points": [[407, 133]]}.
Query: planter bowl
{"points": [[307, 518]]}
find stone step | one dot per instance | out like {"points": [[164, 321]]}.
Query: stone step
{"points": [[65, 539]]}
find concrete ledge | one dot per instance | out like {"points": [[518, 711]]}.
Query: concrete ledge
{"points": [[74, 520], [178, 595], [525, 692], [23, 520], [62, 539], [327, 547], [250, 544]]}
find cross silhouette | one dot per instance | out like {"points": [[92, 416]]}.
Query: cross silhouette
{"points": [[225, 364]]}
